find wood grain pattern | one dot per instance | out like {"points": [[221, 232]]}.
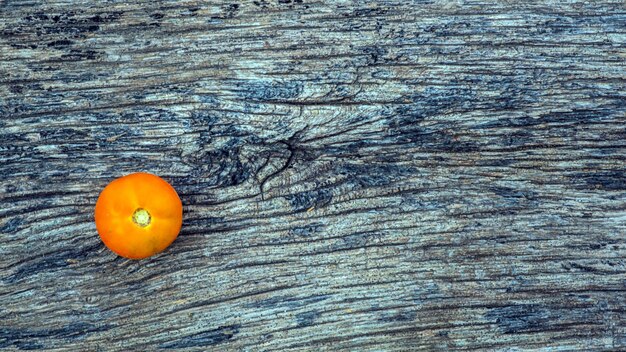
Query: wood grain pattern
{"points": [[387, 175]]}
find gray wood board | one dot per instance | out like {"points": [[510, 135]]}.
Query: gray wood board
{"points": [[356, 175]]}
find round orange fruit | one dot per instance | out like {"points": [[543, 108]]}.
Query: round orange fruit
{"points": [[138, 215]]}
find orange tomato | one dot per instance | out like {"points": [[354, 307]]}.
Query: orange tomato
{"points": [[138, 215]]}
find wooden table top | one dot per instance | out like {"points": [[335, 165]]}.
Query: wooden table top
{"points": [[425, 175]]}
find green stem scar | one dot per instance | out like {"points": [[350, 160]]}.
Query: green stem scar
{"points": [[141, 217]]}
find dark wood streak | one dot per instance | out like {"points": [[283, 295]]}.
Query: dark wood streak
{"points": [[385, 175]]}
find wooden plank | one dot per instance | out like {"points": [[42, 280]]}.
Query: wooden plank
{"points": [[356, 175]]}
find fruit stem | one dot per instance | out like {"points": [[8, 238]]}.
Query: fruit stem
{"points": [[141, 217]]}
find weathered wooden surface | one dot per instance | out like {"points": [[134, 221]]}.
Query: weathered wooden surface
{"points": [[357, 175]]}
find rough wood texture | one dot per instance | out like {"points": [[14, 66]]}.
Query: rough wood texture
{"points": [[357, 175]]}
